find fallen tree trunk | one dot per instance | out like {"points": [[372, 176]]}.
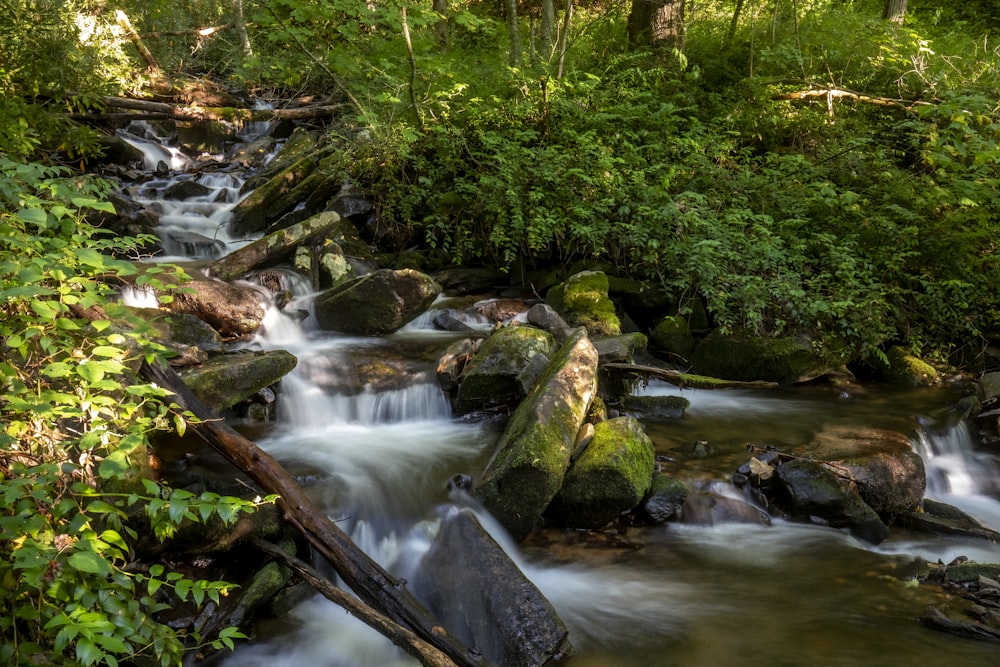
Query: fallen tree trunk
{"points": [[179, 112], [830, 94], [400, 636], [687, 380], [374, 585]]}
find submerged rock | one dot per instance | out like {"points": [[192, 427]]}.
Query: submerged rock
{"points": [[533, 454], [704, 508], [473, 587]]}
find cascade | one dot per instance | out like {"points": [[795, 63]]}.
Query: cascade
{"points": [[378, 460]]}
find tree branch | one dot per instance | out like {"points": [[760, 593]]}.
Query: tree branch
{"points": [[831, 94]]}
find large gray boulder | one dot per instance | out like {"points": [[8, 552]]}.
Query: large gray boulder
{"points": [[533, 454], [504, 369], [376, 304], [471, 585], [609, 478]]}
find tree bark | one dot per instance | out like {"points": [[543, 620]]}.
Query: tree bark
{"points": [[513, 32], [547, 28], [126, 25], [563, 38], [373, 584], [241, 28], [656, 23], [440, 8], [895, 11], [686, 380]]}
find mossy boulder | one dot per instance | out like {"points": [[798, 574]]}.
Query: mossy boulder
{"points": [[261, 207], [225, 380], [583, 300], [746, 357], [376, 304], [655, 407], [672, 336], [534, 451], [504, 369], [620, 348], [810, 492], [610, 477], [904, 369]]}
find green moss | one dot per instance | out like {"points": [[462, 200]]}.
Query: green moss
{"points": [[746, 357], [505, 368], [583, 300], [673, 336], [905, 369]]}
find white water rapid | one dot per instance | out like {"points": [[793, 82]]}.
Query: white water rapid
{"points": [[377, 455]]}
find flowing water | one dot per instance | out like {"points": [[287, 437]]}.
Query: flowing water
{"points": [[786, 594]]}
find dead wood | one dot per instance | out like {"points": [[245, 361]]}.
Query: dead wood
{"points": [[687, 380], [193, 113], [400, 636], [831, 94], [373, 585]]}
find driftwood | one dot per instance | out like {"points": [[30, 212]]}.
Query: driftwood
{"points": [[400, 636], [180, 112], [373, 584], [687, 380]]}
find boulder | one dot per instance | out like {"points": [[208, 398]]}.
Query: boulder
{"points": [[655, 407], [744, 356], [231, 310], [301, 143], [621, 348], [471, 585], [887, 473], [187, 189], [227, 379], [253, 154], [204, 136], [583, 300], [453, 361], [544, 316], [943, 519], [271, 199], [534, 451], [609, 478], [504, 369], [376, 304], [672, 336], [809, 491], [278, 247], [665, 499], [904, 369]]}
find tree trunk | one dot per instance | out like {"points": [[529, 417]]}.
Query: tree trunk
{"points": [[548, 27], [241, 28], [440, 8], [177, 112], [373, 585], [734, 23], [564, 37], [126, 25], [515, 34], [656, 23], [895, 11]]}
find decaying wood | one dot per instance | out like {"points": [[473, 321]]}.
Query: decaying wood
{"points": [[126, 25], [179, 112], [686, 380], [198, 32], [373, 584], [831, 94], [400, 636]]}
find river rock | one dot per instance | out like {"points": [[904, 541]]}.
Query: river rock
{"points": [[809, 491], [544, 316], [609, 478], [888, 474], [204, 136], [655, 407], [705, 508], [376, 304], [301, 143], [453, 361], [270, 201], [504, 369], [186, 189], [583, 300], [904, 369], [665, 499], [534, 451], [253, 154], [226, 379], [611, 349], [231, 310], [746, 357], [940, 518], [471, 585]]}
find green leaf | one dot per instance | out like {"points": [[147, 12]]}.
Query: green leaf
{"points": [[90, 258], [88, 561]]}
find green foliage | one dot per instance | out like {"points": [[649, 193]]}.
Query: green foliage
{"points": [[74, 440]]}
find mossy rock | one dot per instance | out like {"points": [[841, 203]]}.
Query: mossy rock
{"points": [[665, 498], [609, 478], [904, 369], [672, 335], [504, 369], [376, 304], [259, 209], [225, 380], [746, 357], [620, 348], [655, 407], [534, 451], [583, 300]]}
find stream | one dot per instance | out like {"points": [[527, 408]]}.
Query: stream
{"points": [[731, 594]]}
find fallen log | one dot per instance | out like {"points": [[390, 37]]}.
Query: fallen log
{"points": [[830, 94], [400, 636], [190, 113], [373, 584], [687, 380]]}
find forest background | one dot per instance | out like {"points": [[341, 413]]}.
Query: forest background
{"points": [[826, 168]]}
